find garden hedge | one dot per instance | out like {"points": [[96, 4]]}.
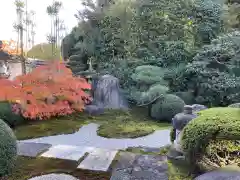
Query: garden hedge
{"points": [[204, 136]]}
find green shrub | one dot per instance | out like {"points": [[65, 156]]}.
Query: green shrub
{"points": [[211, 124], [236, 105], [186, 96], [166, 107], [8, 116], [8, 149], [172, 135]]}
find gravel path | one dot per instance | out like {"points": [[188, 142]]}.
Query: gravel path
{"points": [[87, 136]]}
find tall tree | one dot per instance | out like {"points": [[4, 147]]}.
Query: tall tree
{"points": [[19, 8], [53, 11]]}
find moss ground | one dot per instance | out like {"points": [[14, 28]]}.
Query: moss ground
{"points": [[113, 124], [30, 167]]}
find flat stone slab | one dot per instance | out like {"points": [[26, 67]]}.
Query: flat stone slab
{"points": [[32, 149], [144, 167], [98, 160], [87, 136], [54, 176], [66, 152]]}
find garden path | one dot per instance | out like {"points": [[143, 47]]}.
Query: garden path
{"points": [[95, 152], [87, 136]]}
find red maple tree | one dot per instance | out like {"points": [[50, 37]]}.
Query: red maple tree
{"points": [[49, 90]]}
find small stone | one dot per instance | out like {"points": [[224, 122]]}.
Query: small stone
{"points": [[54, 176], [32, 149], [66, 152], [98, 160]]}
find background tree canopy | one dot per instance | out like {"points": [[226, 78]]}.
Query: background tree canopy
{"points": [[44, 52], [120, 36]]}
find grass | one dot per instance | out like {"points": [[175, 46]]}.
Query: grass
{"points": [[178, 173], [29, 167], [113, 124]]}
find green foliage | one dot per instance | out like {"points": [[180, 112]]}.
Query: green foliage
{"points": [[149, 83], [172, 135], [44, 52], [8, 149], [220, 153], [166, 107], [187, 97], [211, 124], [212, 74], [148, 75], [8, 116]]}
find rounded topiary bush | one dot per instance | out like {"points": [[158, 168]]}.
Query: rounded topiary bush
{"points": [[165, 108], [212, 139], [8, 149], [7, 115]]}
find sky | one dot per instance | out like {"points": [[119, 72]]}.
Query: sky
{"points": [[42, 20]]}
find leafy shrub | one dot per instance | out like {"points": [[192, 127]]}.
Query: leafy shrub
{"points": [[8, 149], [166, 107], [212, 74], [208, 130], [49, 90], [187, 97], [7, 114], [154, 92], [236, 105]]}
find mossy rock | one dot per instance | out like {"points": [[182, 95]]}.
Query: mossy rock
{"points": [[203, 136], [8, 149], [165, 108]]}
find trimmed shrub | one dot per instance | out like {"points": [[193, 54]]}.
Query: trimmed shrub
{"points": [[7, 115], [208, 131], [166, 107], [8, 149]]}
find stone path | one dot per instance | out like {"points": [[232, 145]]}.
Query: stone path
{"points": [[93, 152], [87, 137]]}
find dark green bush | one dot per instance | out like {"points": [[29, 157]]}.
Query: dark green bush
{"points": [[211, 124], [212, 74], [186, 96], [8, 149], [165, 108], [8, 116]]}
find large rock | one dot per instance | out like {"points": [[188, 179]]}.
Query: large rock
{"points": [[221, 174], [107, 93]]}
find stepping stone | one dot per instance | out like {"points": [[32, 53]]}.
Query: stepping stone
{"points": [[54, 176], [98, 160], [125, 161], [31, 149], [66, 152], [147, 167]]}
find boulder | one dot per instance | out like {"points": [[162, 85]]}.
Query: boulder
{"points": [[94, 110], [107, 93], [221, 174], [198, 107]]}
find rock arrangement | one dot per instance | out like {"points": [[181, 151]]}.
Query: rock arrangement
{"points": [[106, 95]]}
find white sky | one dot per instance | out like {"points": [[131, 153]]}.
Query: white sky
{"points": [[8, 17]]}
